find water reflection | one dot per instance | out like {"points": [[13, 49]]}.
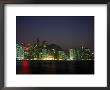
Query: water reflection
{"points": [[54, 67], [25, 67]]}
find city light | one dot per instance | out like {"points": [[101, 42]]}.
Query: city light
{"points": [[55, 45], [49, 58], [43, 51]]}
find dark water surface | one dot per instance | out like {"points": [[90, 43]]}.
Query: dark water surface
{"points": [[54, 67]]}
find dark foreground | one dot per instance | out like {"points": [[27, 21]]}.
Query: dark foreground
{"points": [[54, 67]]}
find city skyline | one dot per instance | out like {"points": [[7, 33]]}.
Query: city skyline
{"points": [[65, 31], [55, 45]]}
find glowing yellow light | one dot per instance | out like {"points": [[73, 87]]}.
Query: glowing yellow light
{"points": [[35, 58], [60, 59], [49, 58]]}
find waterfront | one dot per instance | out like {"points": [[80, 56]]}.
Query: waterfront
{"points": [[54, 67]]}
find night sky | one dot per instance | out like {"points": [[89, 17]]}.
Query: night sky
{"points": [[65, 31]]}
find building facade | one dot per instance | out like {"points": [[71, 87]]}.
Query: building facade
{"points": [[19, 52]]}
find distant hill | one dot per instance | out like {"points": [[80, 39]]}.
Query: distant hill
{"points": [[54, 46]]}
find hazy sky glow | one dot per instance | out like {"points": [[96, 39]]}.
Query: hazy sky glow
{"points": [[65, 31]]}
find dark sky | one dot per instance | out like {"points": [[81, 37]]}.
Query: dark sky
{"points": [[65, 31]]}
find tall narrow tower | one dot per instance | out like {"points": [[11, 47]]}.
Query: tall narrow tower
{"points": [[38, 42], [71, 54]]}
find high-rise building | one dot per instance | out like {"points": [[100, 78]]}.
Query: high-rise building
{"points": [[26, 54], [44, 54], [78, 54], [71, 54], [75, 54], [61, 55], [87, 54], [19, 52], [38, 42]]}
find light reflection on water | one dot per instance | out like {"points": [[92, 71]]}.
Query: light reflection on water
{"points": [[54, 67]]}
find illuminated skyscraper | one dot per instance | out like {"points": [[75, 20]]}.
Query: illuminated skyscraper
{"points": [[61, 55], [19, 52], [78, 51], [44, 54], [26, 54], [74, 54], [71, 54], [87, 54]]}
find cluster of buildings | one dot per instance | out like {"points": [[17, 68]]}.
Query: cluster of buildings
{"points": [[43, 51]]}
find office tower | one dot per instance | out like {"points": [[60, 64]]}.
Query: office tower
{"points": [[87, 54], [19, 52], [71, 54], [74, 54], [78, 54], [61, 55], [26, 54], [44, 54], [38, 42]]}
